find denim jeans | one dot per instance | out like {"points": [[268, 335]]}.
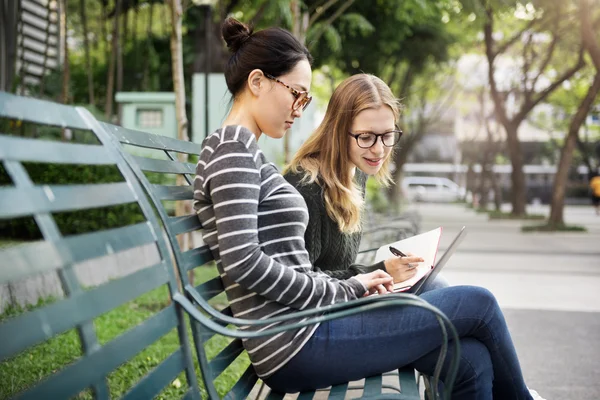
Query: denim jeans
{"points": [[375, 342]]}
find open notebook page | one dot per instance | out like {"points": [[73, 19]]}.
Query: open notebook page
{"points": [[423, 245]]}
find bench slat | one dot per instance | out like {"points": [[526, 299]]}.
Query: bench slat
{"points": [[77, 376], [153, 383], [97, 244], [338, 391], [211, 288], [17, 333], [40, 111], [164, 166], [225, 357], [243, 386], [18, 202], [408, 385], [306, 396], [195, 258], [167, 192], [184, 224], [35, 150], [147, 140], [373, 385]]}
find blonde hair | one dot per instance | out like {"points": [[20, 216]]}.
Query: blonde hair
{"points": [[324, 157]]}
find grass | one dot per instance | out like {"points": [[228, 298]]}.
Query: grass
{"points": [[553, 228], [40, 361], [495, 214]]}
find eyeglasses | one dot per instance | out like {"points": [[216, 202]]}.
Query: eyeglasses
{"points": [[303, 99], [366, 140]]}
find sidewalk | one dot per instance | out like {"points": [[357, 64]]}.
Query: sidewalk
{"points": [[547, 284]]}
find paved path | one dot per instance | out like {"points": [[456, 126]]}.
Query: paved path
{"points": [[547, 284]]}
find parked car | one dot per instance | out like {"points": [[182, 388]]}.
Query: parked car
{"points": [[432, 189]]}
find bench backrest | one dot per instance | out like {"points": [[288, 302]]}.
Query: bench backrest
{"points": [[106, 332], [228, 373]]}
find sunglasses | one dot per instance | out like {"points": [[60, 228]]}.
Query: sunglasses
{"points": [[302, 97]]}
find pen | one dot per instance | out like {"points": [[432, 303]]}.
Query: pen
{"points": [[398, 253]]}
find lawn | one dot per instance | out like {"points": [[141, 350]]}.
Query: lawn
{"points": [[40, 361]]}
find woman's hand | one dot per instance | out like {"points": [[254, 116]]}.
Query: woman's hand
{"points": [[402, 268], [377, 281]]}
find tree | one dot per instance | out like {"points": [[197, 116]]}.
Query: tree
{"points": [[86, 47], [114, 59], [535, 61], [592, 46]]}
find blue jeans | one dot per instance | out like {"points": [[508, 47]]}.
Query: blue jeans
{"points": [[372, 343]]}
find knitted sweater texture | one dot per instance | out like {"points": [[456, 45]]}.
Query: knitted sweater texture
{"points": [[331, 251]]}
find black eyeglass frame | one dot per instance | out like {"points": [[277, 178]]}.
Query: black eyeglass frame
{"points": [[295, 93], [398, 134]]}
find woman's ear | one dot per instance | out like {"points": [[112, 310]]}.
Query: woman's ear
{"points": [[256, 81]]}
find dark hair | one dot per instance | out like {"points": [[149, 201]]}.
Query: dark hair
{"points": [[275, 51]]}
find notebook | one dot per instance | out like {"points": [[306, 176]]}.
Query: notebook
{"points": [[426, 246]]}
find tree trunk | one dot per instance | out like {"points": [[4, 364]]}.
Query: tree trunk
{"points": [[146, 73], [518, 193], [110, 86], [566, 154], [103, 31], [46, 50], [86, 48], [63, 37], [121, 42], [176, 11]]}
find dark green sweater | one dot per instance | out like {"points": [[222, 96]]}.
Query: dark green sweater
{"points": [[330, 251]]}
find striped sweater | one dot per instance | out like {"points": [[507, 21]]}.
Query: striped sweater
{"points": [[254, 223]]}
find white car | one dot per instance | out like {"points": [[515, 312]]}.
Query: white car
{"points": [[432, 189]]}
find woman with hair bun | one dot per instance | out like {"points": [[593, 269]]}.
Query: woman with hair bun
{"points": [[254, 223]]}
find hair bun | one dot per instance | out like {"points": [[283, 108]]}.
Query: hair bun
{"points": [[235, 33]]}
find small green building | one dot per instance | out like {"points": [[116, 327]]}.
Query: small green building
{"points": [[152, 112]]}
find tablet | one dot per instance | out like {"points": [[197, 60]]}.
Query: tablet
{"points": [[418, 287]]}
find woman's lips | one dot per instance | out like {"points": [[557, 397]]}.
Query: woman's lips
{"points": [[373, 162]]}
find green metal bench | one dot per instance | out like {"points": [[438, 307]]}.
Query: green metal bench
{"points": [[223, 368]]}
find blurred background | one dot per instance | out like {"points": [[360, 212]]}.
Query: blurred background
{"points": [[500, 97]]}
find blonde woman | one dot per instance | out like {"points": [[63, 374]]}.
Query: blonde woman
{"points": [[361, 118]]}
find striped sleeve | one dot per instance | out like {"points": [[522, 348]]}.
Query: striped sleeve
{"points": [[232, 181]]}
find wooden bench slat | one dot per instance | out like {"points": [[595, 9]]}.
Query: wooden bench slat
{"points": [[306, 396], [373, 385], [168, 192], [28, 259], [148, 140], [164, 166], [35, 150], [40, 111], [406, 378], [225, 357], [243, 386], [18, 202], [77, 376], [17, 333], [184, 224], [162, 375]]}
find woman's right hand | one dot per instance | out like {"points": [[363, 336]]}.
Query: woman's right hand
{"points": [[377, 281], [402, 268]]}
